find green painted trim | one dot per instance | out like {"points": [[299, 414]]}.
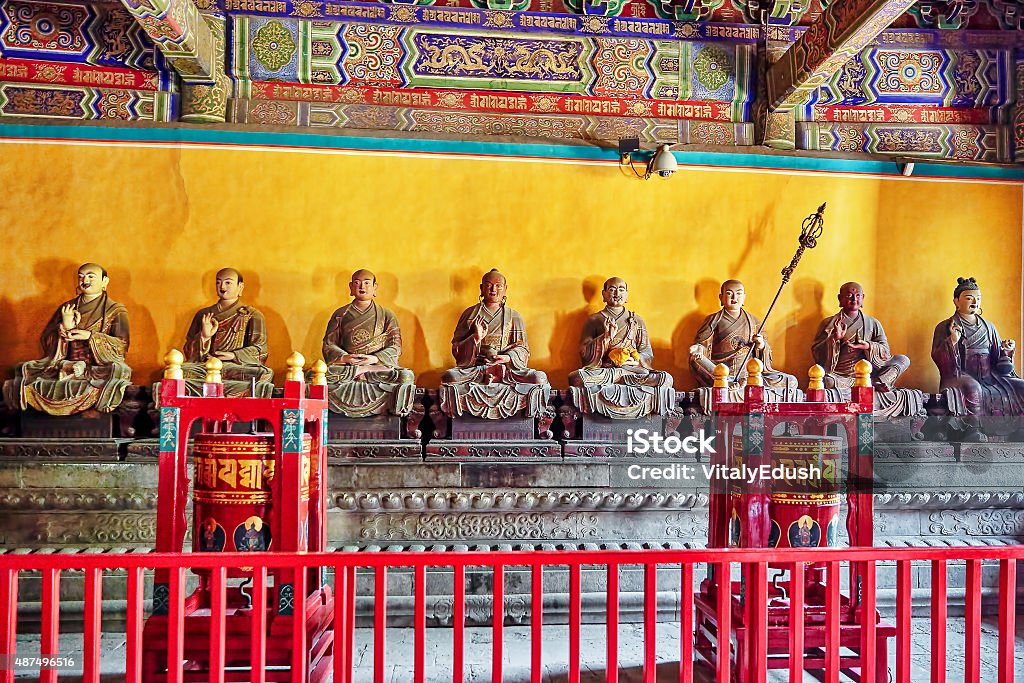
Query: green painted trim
{"points": [[554, 152]]}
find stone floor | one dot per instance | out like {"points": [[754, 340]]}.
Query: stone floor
{"points": [[556, 654]]}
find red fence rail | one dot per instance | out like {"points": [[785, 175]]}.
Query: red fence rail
{"points": [[345, 566]]}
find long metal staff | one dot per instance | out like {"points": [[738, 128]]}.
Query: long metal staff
{"points": [[810, 231]]}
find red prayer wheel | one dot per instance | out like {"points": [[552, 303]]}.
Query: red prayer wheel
{"points": [[233, 484], [803, 504]]}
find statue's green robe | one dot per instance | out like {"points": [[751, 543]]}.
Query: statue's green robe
{"points": [[242, 331]]}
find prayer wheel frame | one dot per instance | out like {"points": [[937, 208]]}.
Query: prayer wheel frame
{"points": [[290, 419], [756, 419]]}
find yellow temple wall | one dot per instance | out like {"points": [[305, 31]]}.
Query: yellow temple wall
{"points": [[163, 220]]}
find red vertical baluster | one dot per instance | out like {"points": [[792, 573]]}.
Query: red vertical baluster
{"points": [[380, 623], [420, 619], [300, 648], [218, 625], [832, 623], [686, 623], [8, 619], [972, 623], [259, 625], [612, 608], [176, 626], [723, 615], [938, 625], [497, 623], [757, 594], [133, 629], [49, 635], [342, 628], [904, 611], [536, 623], [650, 622], [93, 625], [796, 623], [350, 608], [458, 621], [1007, 618], [574, 623], [868, 621]]}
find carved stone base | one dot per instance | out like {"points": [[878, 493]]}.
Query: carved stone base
{"points": [[372, 449], [594, 449], [377, 427], [507, 449], [88, 425], [512, 429], [600, 428], [64, 450]]}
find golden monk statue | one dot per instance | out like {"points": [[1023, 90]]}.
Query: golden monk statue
{"points": [[361, 348], [851, 335], [234, 333], [616, 379], [491, 378], [975, 365], [725, 336], [85, 342]]}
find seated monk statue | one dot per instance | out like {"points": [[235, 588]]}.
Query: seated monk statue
{"points": [[361, 348], [725, 336], [975, 366], [234, 333], [491, 378], [85, 342], [851, 335], [616, 379]]}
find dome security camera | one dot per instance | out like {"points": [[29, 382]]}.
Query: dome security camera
{"points": [[664, 163]]}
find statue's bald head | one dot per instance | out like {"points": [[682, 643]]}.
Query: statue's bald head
{"points": [[851, 297], [92, 280], [615, 291], [493, 287], [732, 295], [363, 286], [229, 285]]}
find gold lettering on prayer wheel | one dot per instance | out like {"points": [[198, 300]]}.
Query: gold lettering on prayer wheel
{"points": [[803, 479], [233, 491]]}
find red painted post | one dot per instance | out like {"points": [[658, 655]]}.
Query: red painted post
{"points": [[458, 621], [497, 623], [650, 622], [350, 609], [218, 625], [133, 629], [1007, 618], [536, 623], [49, 635], [938, 625], [832, 623], [420, 624], [972, 623], [259, 626], [757, 595], [723, 617], [796, 622], [342, 627], [904, 613], [8, 619], [574, 623], [93, 625], [300, 647], [612, 608], [686, 623], [868, 621], [176, 626], [380, 623]]}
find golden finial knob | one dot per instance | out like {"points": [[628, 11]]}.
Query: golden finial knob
{"points": [[721, 375], [213, 368], [815, 377], [295, 364], [319, 373], [862, 373], [172, 364], [754, 370]]}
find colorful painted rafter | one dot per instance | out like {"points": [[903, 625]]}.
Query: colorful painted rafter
{"points": [[181, 34]]}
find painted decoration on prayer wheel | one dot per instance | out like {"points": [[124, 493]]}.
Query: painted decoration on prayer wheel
{"points": [[803, 504], [233, 491]]}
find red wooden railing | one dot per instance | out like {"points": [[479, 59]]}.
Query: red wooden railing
{"points": [[345, 566]]}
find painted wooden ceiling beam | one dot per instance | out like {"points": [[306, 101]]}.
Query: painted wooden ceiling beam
{"points": [[180, 33]]}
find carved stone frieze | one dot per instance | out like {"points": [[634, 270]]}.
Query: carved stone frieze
{"points": [[473, 525], [406, 449], [480, 449], [911, 501], [93, 529], [25, 500], [103, 450], [484, 501], [977, 522]]}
